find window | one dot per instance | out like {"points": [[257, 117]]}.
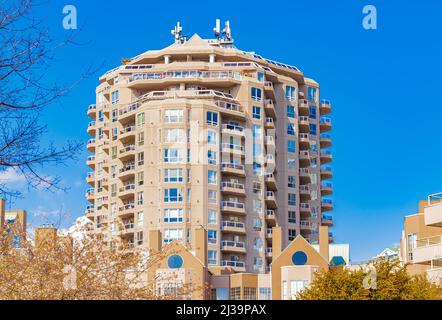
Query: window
{"points": [[257, 150], [235, 293], [291, 164], [211, 216], [173, 215], [313, 146], [174, 116], [211, 137], [296, 286], [114, 115], [411, 244], [141, 138], [260, 76], [291, 182], [173, 195], [256, 94], [312, 114], [140, 238], [140, 178], [173, 234], [140, 157], [212, 118], [284, 290], [292, 234], [256, 132], [257, 264], [211, 257], [140, 198], [291, 146], [265, 294], [114, 152], [292, 216], [257, 205], [256, 187], [290, 129], [173, 155], [140, 218], [250, 293], [292, 199], [290, 92], [115, 97], [114, 133], [256, 112], [257, 243], [312, 94], [211, 236], [113, 209], [291, 111], [173, 135], [211, 177], [173, 175], [313, 129], [212, 196], [140, 119], [211, 157]]}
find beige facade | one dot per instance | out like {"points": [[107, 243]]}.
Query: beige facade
{"points": [[421, 242], [202, 134], [15, 218]]}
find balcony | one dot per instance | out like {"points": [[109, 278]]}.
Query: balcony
{"points": [[269, 123], [126, 191], [270, 160], [91, 162], [233, 227], [233, 247], [305, 225], [304, 176], [326, 173], [269, 107], [270, 181], [270, 199], [304, 124], [270, 217], [233, 207], [269, 252], [427, 249], [325, 140], [326, 156], [127, 171], [233, 168], [90, 194], [325, 124], [229, 187], [433, 212], [435, 275], [326, 205], [232, 130], [304, 192], [127, 113], [91, 144], [326, 188], [127, 210], [233, 149], [304, 208], [149, 80], [127, 151], [269, 234], [89, 210], [324, 107], [92, 111], [232, 109], [327, 220], [127, 132], [304, 159], [304, 141], [90, 178], [303, 108], [91, 128], [238, 266], [270, 144]]}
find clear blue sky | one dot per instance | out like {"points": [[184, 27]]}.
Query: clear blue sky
{"points": [[384, 85]]}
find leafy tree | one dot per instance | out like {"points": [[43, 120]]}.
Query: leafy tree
{"points": [[391, 282]]}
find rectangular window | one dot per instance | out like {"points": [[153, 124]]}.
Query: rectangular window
{"points": [[212, 118], [173, 175], [173, 234], [290, 92], [265, 294], [411, 244], [211, 236], [292, 234], [173, 135], [174, 116], [173, 155], [173, 215], [173, 195], [312, 114], [291, 146], [211, 177], [292, 216], [290, 129], [211, 216], [256, 112], [313, 129], [141, 138], [292, 199], [140, 119], [296, 286], [256, 94], [211, 157], [291, 182], [140, 218], [312, 94], [140, 198], [211, 137], [212, 196], [140, 178], [291, 111], [115, 97], [211, 257]]}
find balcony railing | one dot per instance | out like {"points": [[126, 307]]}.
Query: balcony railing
{"points": [[232, 244], [232, 224], [186, 74], [232, 204], [233, 185], [229, 263], [232, 166], [325, 120], [232, 146], [130, 186], [232, 127], [425, 242], [229, 106]]}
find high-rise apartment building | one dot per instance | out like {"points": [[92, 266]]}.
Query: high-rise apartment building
{"points": [[201, 133]]}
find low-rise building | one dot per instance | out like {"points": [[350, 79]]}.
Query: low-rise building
{"points": [[14, 222]]}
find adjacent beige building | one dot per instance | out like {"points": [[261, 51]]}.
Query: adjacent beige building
{"points": [[421, 242], [202, 134], [14, 223]]}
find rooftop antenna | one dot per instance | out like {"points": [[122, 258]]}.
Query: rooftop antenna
{"points": [[217, 29], [176, 31], [227, 32]]}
